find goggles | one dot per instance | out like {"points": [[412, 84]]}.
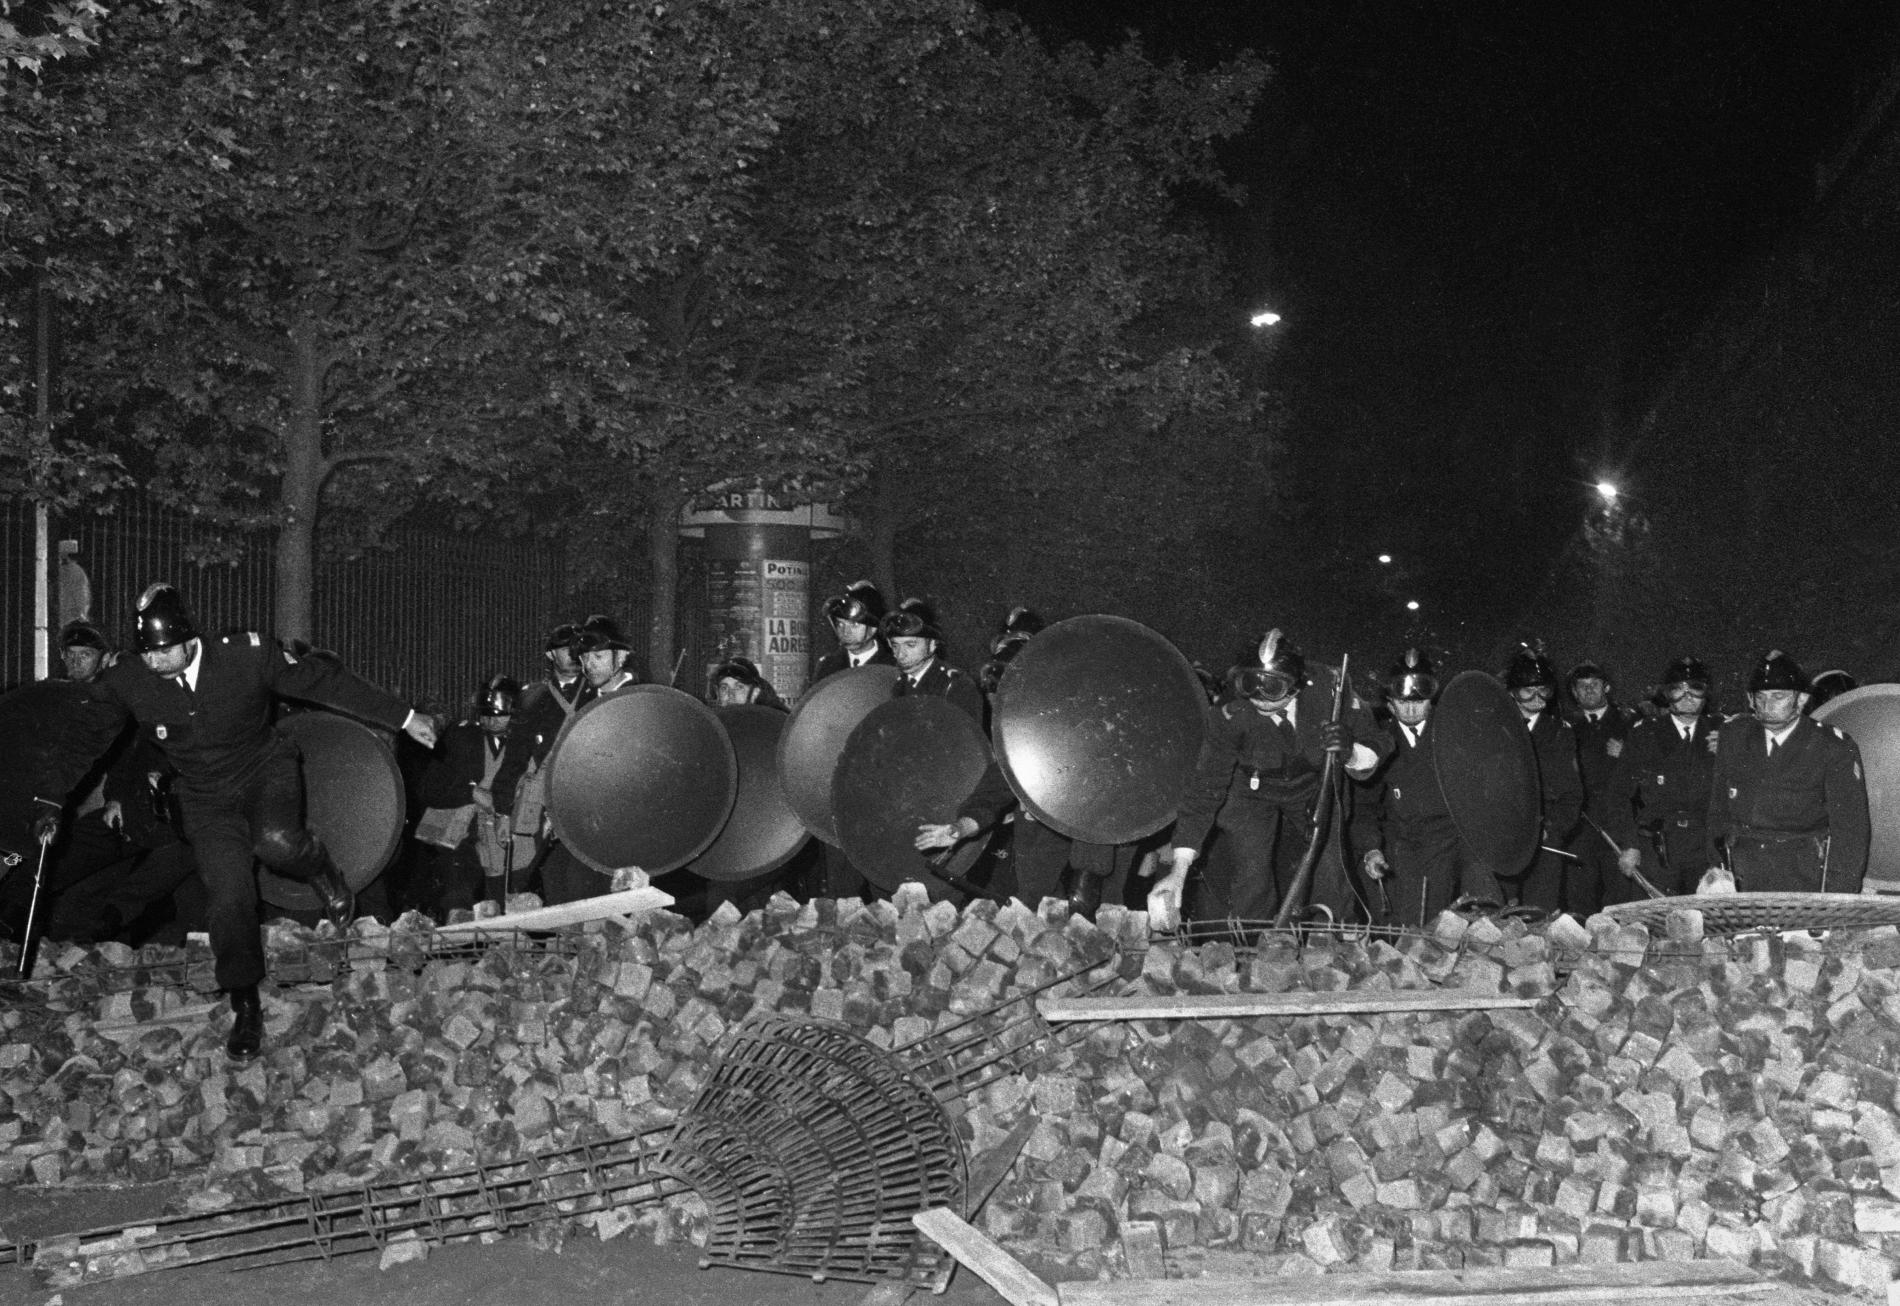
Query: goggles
{"points": [[1258, 682], [1682, 687]]}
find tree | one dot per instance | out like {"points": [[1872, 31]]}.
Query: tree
{"points": [[945, 250], [336, 246]]}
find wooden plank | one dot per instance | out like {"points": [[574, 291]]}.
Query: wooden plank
{"points": [[1481, 1287], [1003, 1272], [568, 913], [1210, 1006], [122, 1030]]}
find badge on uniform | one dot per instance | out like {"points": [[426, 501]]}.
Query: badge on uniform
{"points": [[1662, 780], [1733, 791], [160, 732]]}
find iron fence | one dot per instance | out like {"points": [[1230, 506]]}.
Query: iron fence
{"points": [[429, 617]]}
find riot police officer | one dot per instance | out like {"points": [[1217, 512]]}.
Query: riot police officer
{"points": [[1532, 681], [1660, 789], [1788, 799], [208, 704]]}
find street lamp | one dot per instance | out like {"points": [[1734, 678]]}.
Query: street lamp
{"points": [[1386, 559], [1608, 492], [1266, 317], [1412, 605]]}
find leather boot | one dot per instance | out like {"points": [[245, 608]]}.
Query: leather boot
{"points": [[247, 1029], [339, 900]]}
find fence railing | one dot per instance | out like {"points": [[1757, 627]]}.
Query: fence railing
{"points": [[428, 618]]}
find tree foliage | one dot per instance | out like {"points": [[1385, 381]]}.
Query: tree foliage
{"points": [[574, 264]]}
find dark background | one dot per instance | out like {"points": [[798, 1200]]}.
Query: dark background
{"points": [[1493, 230]]}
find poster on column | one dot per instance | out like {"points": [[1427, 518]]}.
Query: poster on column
{"points": [[786, 599], [738, 619]]}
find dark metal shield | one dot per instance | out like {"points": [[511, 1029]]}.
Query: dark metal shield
{"points": [[1870, 715], [912, 761], [645, 777], [52, 732], [1097, 726], [763, 831], [353, 801], [813, 740], [1487, 771]]}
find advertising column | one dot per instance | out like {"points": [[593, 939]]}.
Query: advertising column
{"points": [[758, 567]]}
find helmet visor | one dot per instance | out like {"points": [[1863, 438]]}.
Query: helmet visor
{"points": [[1260, 682]]}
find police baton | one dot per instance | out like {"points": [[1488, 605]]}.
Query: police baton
{"points": [[1637, 876]]}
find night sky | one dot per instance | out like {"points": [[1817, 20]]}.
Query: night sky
{"points": [[1491, 226]]}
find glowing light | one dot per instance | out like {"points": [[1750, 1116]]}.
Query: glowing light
{"points": [[1386, 558], [1608, 491], [1266, 317], [1412, 606]]}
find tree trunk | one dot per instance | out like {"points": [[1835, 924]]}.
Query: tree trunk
{"points": [[882, 537], [301, 488], [663, 558]]}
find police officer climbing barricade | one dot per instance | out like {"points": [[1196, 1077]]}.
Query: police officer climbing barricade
{"points": [[1788, 802], [1258, 782], [1658, 816], [1097, 722], [208, 705]]}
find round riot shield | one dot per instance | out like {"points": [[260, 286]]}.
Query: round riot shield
{"points": [[353, 802], [763, 831], [644, 777], [1487, 771], [1870, 716], [52, 733], [912, 761], [1097, 725], [813, 740]]}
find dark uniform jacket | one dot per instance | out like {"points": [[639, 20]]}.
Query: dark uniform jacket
{"points": [[1598, 743], [1665, 777], [1245, 759], [993, 796], [1812, 786], [217, 735], [837, 660], [1556, 747], [460, 761], [1404, 793], [544, 708]]}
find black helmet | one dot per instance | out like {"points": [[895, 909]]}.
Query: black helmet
{"points": [[1690, 671], [1777, 670], [1021, 623], [1276, 671], [1411, 677], [164, 621], [500, 696], [1003, 651], [861, 602], [1588, 670], [82, 634], [1830, 684], [599, 632], [743, 670], [562, 636], [914, 618], [1530, 668]]}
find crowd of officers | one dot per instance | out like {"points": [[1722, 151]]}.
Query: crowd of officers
{"points": [[1631, 799]]}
